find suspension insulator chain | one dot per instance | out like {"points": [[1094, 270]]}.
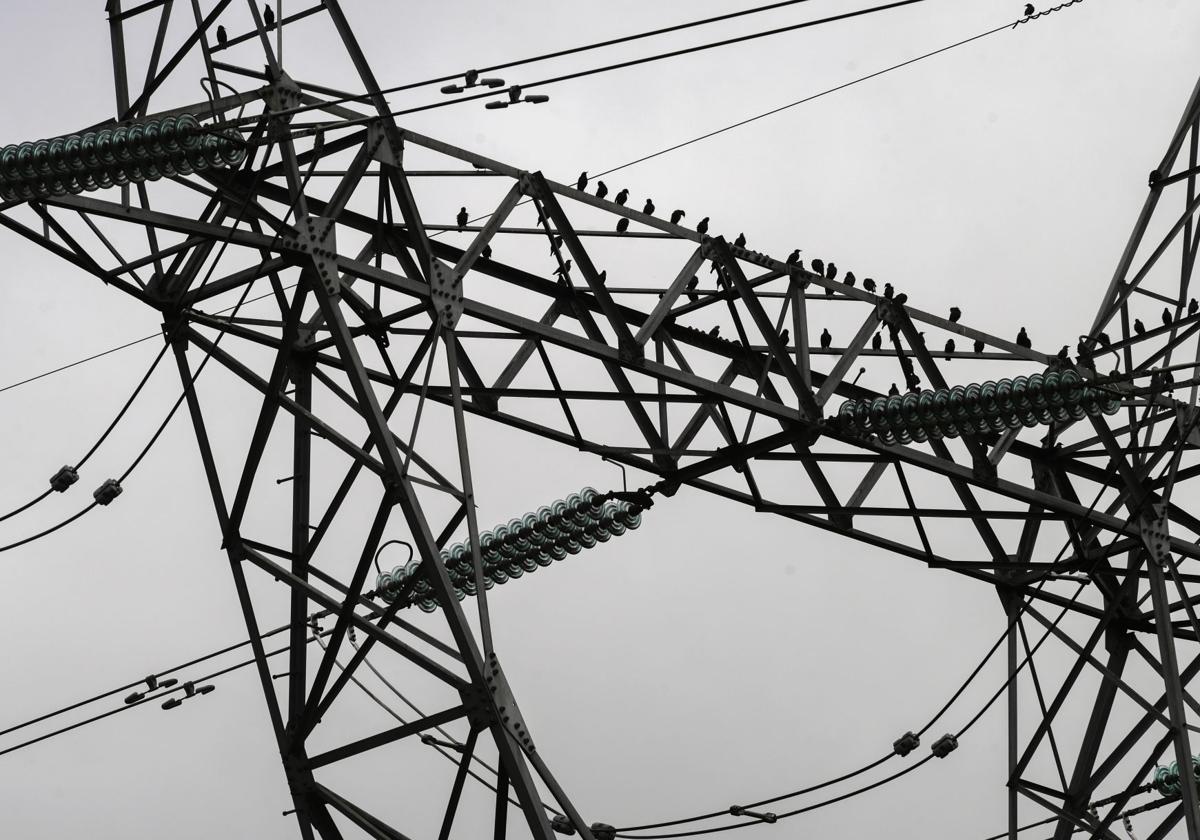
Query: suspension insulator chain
{"points": [[1040, 399], [134, 153], [537, 539]]}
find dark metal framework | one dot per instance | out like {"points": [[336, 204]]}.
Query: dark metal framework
{"points": [[375, 313]]}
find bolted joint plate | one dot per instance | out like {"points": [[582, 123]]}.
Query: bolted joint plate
{"points": [[1154, 526], [446, 289], [384, 144], [504, 705], [315, 243], [283, 95]]}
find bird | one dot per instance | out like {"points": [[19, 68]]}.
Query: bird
{"points": [[1064, 354], [829, 291], [648, 208], [622, 197], [702, 228], [462, 218], [849, 279], [487, 252], [563, 270], [555, 244], [831, 271], [794, 257], [955, 314], [893, 391], [740, 242], [1104, 340], [268, 17], [1193, 306], [1023, 339], [826, 338], [691, 286], [601, 278], [876, 341], [902, 298], [887, 290], [1166, 317], [582, 182], [979, 345], [869, 284], [786, 336], [676, 216], [715, 331], [601, 189], [914, 382], [1028, 9], [818, 266], [1139, 327], [222, 36]]}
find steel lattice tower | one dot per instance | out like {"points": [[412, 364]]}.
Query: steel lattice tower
{"points": [[365, 301]]}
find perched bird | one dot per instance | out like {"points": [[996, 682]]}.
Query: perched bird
{"points": [[914, 382], [1028, 9], [622, 197], [486, 253], [648, 208], [222, 36], [702, 228], [462, 218], [826, 338], [676, 216], [1139, 327], [740, 242], [786, 336], [268, 16], [887, 290], [902, 298], [1166, 317], [893, 391], [622, 225], [1064, 354], [949, 348], [582, 183], [601, 189], [979, 345], [1193, 306], [869, 284], [955, 314], [849, 279], [555, 244], [828, 291], [691, 285], [831, 271], [818, 266], [715, 331], [794, 257], [601, 278], [1104, 340], [563, 270], [876, 341], [1023, 339]]}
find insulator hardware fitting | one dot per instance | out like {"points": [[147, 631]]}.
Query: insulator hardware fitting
{"points": [[945, 745], [1166, 778], [64, 478], [106, 492], [906, 743], [603, 831], [739, 811], [562, 825]]}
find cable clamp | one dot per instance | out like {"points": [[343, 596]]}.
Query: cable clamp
{"points": [[739, 811]]}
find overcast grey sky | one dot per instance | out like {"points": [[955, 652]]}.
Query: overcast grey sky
{"points": [[715, 655]]}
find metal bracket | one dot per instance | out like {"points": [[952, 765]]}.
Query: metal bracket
{"points": [[315, 237], [1156, 535], [505, 705], [446, 287], [380, 146]]}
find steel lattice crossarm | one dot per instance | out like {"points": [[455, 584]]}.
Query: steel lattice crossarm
{"points": [[595, 325]]}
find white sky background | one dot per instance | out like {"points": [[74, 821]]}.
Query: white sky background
{"points": [[716, 655]]}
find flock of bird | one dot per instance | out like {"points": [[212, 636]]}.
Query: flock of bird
{"points": [[828, 271]]}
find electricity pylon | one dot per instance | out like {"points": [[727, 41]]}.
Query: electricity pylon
{"points": [[366, 293]]}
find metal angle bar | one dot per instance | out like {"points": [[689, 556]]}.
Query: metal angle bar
{"points": [[368, 823], [387, 737], [495, 220], [301, 501], [662, 310], [160, 35], [460, 778], [835, 377], [1157, 667], [87, 264]]}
